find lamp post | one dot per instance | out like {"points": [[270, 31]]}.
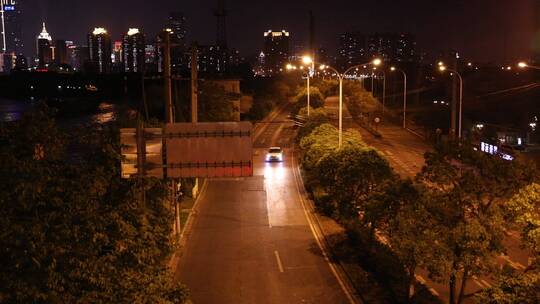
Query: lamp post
{"points": [[443, 68], [404, 95], [307, 60], [383, 91], [525, 65], [341, 77]]}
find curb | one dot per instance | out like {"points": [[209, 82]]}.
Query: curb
{"points": [[341, 273], [173, 262]]}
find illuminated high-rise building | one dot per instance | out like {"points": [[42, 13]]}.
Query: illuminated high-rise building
{"points": [[392, 47], [133, 51], [44, 48], [61, 52], [11, 27], [177, 23], [352, 50], [276, 51], [100, 49]]}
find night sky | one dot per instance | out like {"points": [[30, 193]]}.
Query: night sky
{"points": [[485, 30]]}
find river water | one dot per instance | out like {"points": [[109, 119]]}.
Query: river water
{"points": [[106, 112]]}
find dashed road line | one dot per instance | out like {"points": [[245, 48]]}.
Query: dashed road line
{"points": [[280, 266], [515, 265]]}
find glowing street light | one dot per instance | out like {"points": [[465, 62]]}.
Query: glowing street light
{"points": [[443, 68], [525, 65], [393, 69], [307, 60], [341, 77]]}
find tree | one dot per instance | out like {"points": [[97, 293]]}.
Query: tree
{"points": [[215, 104], [316, 118], [515, 286], [410, 230], [72, 230], [351, 175], [466, 191], [316, 99]]}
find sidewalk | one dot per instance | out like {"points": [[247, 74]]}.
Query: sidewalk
{"points": [[404, 150]]}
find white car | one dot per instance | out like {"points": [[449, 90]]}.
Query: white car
{"points": [[275, 154]]}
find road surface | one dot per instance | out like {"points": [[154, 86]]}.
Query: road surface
{"points": [[251, 241], [402, 149]]}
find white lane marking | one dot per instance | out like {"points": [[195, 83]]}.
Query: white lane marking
{"points": [[479, 284], [420, 279], [486, 283], [434, 292], [280, 266], [515, 265], [316, 234]]}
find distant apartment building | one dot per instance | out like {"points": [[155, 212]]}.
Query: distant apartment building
{"points": [[357, 48], [133, 51], [11, 27], [60, 54], [352, 49], [392, 47], [99, 51], [276, 51]]}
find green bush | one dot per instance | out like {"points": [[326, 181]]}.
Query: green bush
{"points": [[316, 99]]}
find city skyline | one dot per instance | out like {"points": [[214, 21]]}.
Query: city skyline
{"points": [[513, 38]]}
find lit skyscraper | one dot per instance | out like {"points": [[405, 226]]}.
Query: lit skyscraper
{"points": [[10, 19], [44, 48], [100, 48], [133, 51], [177, 23], [352, 49], [61, 53], [276, 51]]}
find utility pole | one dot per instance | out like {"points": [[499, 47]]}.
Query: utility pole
{"points": [[169, 112], [169, 117], [454, 104], [195, 90], [194, 84]]}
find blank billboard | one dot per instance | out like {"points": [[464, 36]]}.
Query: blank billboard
{"points": [[223, 149]]}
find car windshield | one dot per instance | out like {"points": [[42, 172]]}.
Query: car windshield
{"points": [[275, 150]]}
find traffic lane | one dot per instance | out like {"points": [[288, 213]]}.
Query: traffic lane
{"points": [[305, 268], [235, 255], [229, 257]]}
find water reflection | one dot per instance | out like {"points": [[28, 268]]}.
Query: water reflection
{"points": [[106, 112], [11, 110]]}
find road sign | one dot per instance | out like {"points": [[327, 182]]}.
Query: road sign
{"points": [[223, 149], [146, 149]]}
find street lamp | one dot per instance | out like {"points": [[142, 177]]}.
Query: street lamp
{"points": [[341, 77], [307, 60], [443, 68], [525, 65], [404, 95]]}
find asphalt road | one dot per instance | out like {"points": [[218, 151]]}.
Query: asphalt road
{"points": [[251, 241], [404, 150]]}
